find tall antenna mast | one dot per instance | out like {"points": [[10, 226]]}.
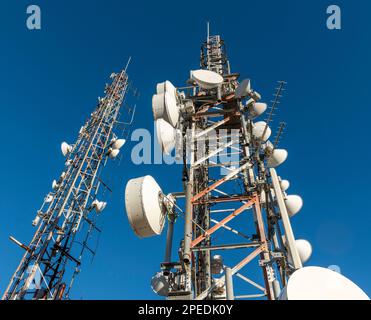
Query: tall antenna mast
{"points": [[67, 219], [228, 172], [229, 175]]}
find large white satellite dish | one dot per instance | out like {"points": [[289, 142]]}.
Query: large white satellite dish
{"points": [[293, 204], [164, 105], [304, 249], [278, 157], [258, 130], [207, 79], [143, 206], [316, 283], [166, 135]]}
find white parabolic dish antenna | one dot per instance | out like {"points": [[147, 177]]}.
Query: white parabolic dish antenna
{"points": [[243, 89], [166, 86], [257, 109], [164, 105], [285, 184], [304, 249], [143, 206], [293, 204], [316, 283], [207, 79], [259, 128], [66, 148], [278, 157], [166, 135]]}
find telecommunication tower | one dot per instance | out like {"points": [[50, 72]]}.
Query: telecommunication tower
{"points": [[67, 220], [229, 176], [211, 119]]}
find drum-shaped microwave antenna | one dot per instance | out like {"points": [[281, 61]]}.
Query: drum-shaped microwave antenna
{"points": [[316, 283], [285, 184], [166, 135], [166, 86], [207, 79], [258, 130], [293, 204], [118, 144], [256, 109], [66, 148], [278, 157], [164, 105], [113, 153], [160, 285], [243, 89], [304, 249], [144, 207], [99, 205]]}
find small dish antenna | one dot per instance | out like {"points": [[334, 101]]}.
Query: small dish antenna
{"points": [[48, 198], [278, 157], [304, 249], [207, 79], [293, 204], [160, 285], [99, 205], [316, 283], [113, 153], [256, 109], [144, 206], [118, 143], [66, 148], [285, 184], [258, 130], [55, 185], [243, 89]]}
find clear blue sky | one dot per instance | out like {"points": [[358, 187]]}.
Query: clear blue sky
{"points": [[50, 80]]}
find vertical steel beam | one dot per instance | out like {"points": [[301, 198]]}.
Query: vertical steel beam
{"points": [[169, 240], [229, 283], [289, 234]]}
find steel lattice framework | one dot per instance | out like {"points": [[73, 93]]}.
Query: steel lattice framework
{"points": [[248, 187], [68, 215]]}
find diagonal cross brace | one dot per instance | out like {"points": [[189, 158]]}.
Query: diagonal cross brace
{"points": [[219, 182], [238, 267], [223, 222]]}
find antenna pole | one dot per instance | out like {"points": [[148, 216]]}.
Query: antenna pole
{"points": [[69, 213], [231, 179]]}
